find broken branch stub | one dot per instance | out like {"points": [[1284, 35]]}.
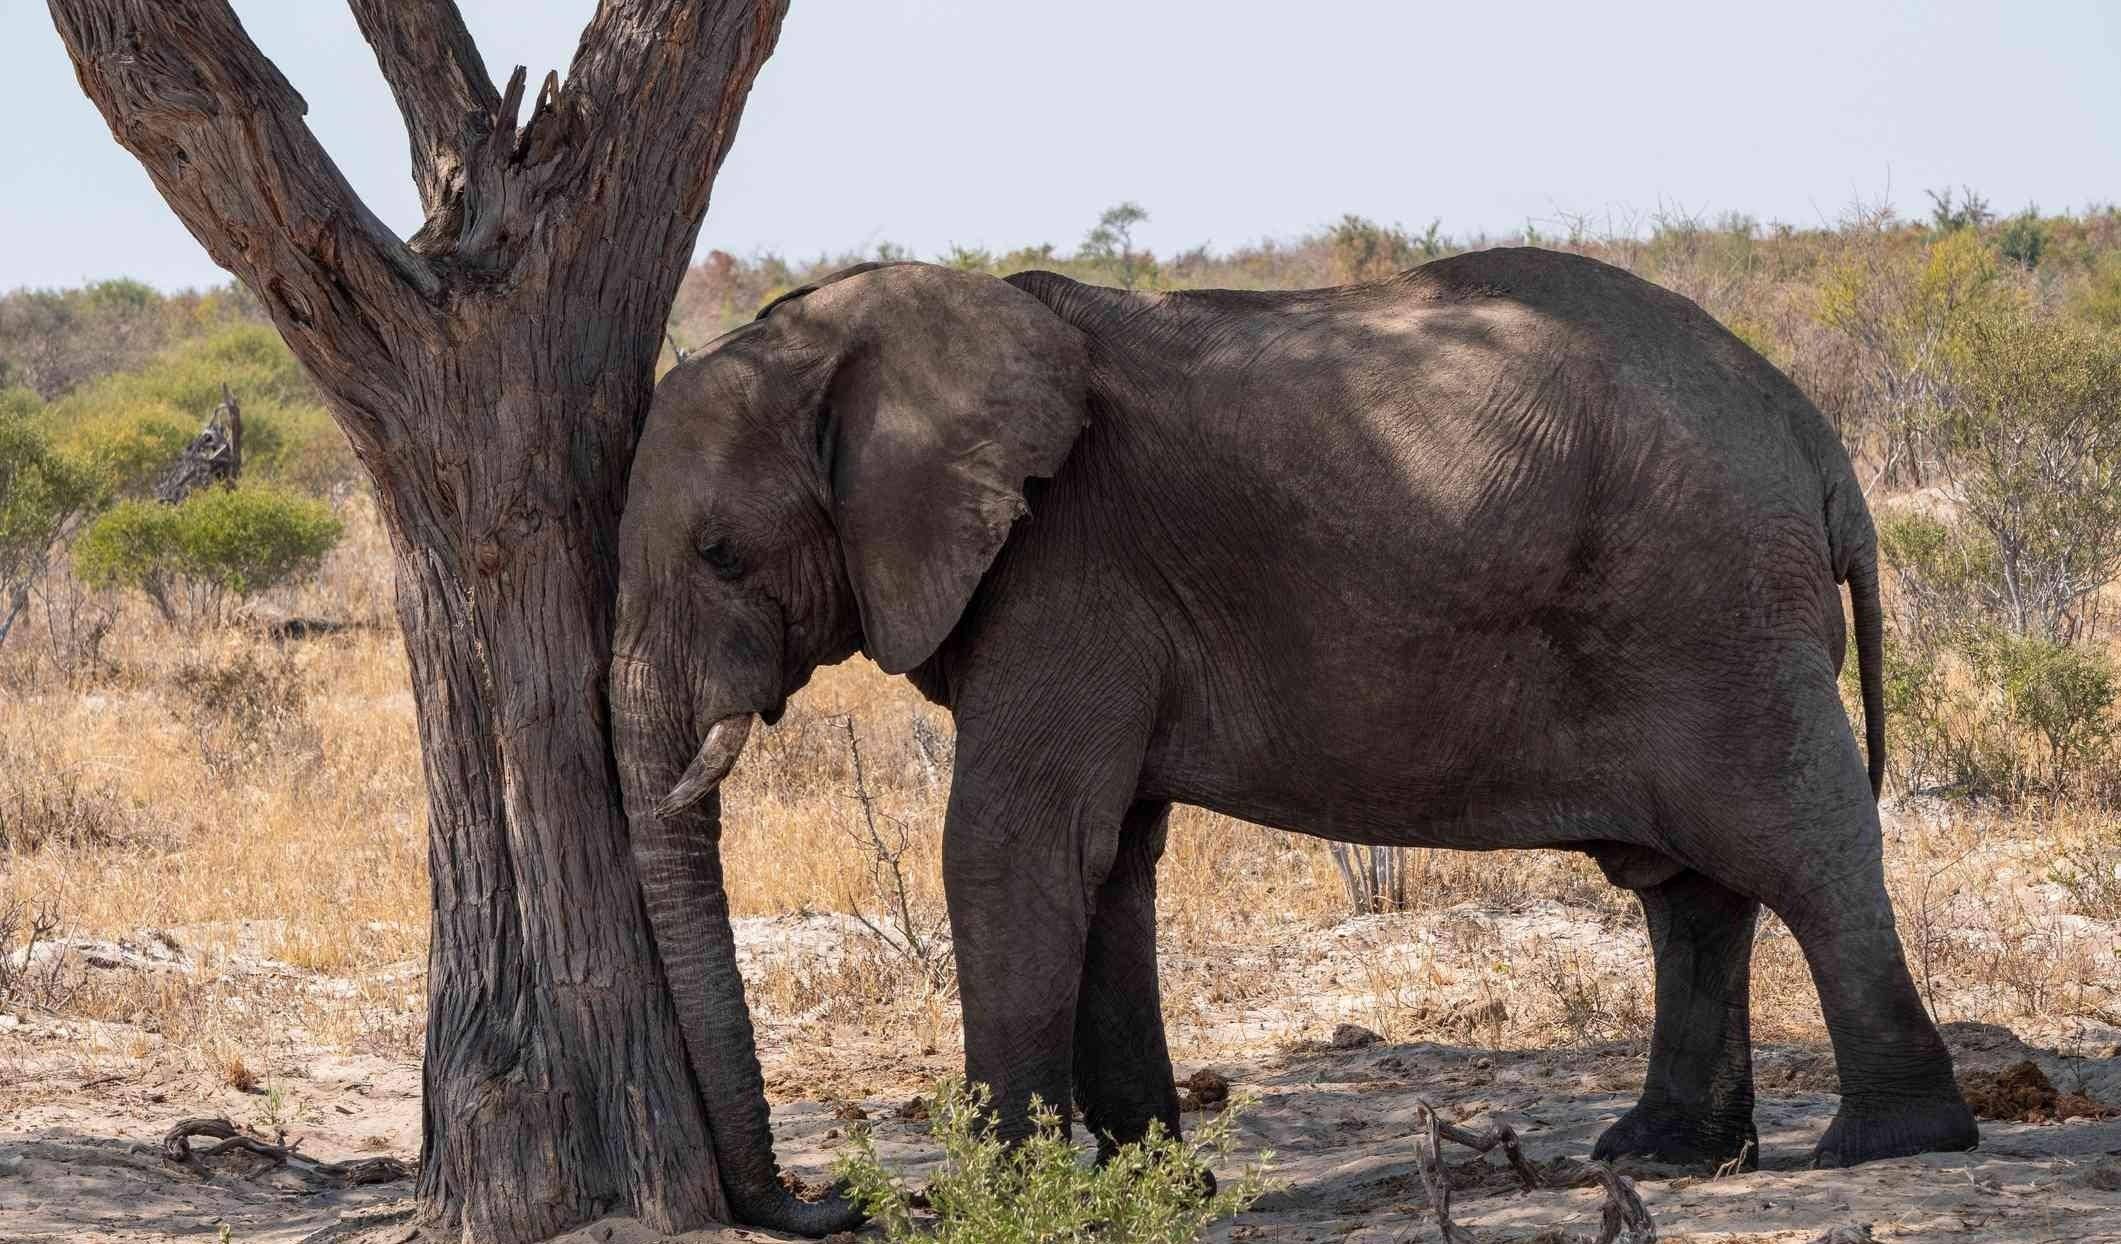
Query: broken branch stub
{"points": [[215, 455]]}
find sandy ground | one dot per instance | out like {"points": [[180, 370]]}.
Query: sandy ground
{"points": [[73, 1122]]}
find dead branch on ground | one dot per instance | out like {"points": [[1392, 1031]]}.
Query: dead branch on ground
{"points": [[1626, 1220], [176, 1147]]}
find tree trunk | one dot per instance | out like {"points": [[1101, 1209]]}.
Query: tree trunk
{"points": [[492, 373], [556, 1086]]}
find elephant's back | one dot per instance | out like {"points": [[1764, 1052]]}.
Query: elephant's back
{"points": [[1651, 353]]}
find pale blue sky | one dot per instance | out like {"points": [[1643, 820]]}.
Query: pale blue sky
{"points": [[1001, 122]]}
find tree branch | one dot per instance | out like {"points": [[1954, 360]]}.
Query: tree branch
{"points": [[681, 70], [221, 134], [436, 74]]}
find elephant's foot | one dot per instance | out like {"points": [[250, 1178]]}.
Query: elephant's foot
{"points": [[1680, 1138], [1108, 1149], [1867, 1132]]}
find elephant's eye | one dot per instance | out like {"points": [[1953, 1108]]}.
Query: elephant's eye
{"points": [[721, 559]]}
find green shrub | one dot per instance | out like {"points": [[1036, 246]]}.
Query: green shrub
{"points": [[42, 494], [132, 545], [125, 447], [221, 543], [2031, 430], [2059, 695], [1982, 712], [250, 359], [1364, 250], [1040, 1192], [1945, 571], [299, 446], [1899, 303], [2023, 239], [2098, 300], [135, 423]]}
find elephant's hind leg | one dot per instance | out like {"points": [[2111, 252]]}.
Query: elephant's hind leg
{"points": [[1898, 1096], [1697, 1103], [1122, 1065], [1816, 858]]}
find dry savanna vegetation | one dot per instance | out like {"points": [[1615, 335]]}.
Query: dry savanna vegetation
{"points": [[213, 844]]}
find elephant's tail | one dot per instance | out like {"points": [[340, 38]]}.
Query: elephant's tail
{"points": [[1870, 660]]}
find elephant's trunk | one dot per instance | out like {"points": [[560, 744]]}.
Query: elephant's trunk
{"points": [[677, 851]]}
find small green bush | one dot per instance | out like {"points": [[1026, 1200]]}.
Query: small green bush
{"points": [[2097, 301], [2057, 694], [1364, 250], [42, 493], [221, 543], [1040, 1191], [2023, 239], [134, 424], [2032, 433], [125, 446], [1984, 712]]}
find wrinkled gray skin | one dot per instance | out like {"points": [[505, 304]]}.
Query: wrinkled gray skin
{"points": [[1513, 550]]}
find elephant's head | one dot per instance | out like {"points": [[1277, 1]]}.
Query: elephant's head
{"points": [[837, 474]]}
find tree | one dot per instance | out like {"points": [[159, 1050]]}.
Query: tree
{"points": [[42, 495], [1112, 242], [491, 373]]}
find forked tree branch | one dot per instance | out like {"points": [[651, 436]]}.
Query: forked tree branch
{"points": [[436, 74], [221, 134]]}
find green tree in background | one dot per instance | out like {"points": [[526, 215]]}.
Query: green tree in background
{"points": [[42, 494], [1111, 244]]}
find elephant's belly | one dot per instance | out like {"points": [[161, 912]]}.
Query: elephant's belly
{"points": [[1469, 771], [1469, 821]]}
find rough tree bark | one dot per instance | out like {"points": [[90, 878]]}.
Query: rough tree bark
{"points": [[492, 373]]}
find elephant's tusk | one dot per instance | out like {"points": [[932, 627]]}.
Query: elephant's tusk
{"points": [[718, 753]]}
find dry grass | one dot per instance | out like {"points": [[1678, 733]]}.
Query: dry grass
{"points": [[276, 843]]}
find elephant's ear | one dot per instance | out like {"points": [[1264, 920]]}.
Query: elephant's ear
{"points": [[948, 390]]}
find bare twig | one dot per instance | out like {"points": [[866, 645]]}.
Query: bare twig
{"points": [[918, 941], [176, 1147], [1428, 1157], [1736, 1165], [1626, 1221], [24, 980]]}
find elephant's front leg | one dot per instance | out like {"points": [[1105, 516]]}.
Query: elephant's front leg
{"points": [[1027, 845], [1122, 1066]]}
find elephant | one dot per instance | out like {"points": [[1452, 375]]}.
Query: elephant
{"points": [[1511, 550]]}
